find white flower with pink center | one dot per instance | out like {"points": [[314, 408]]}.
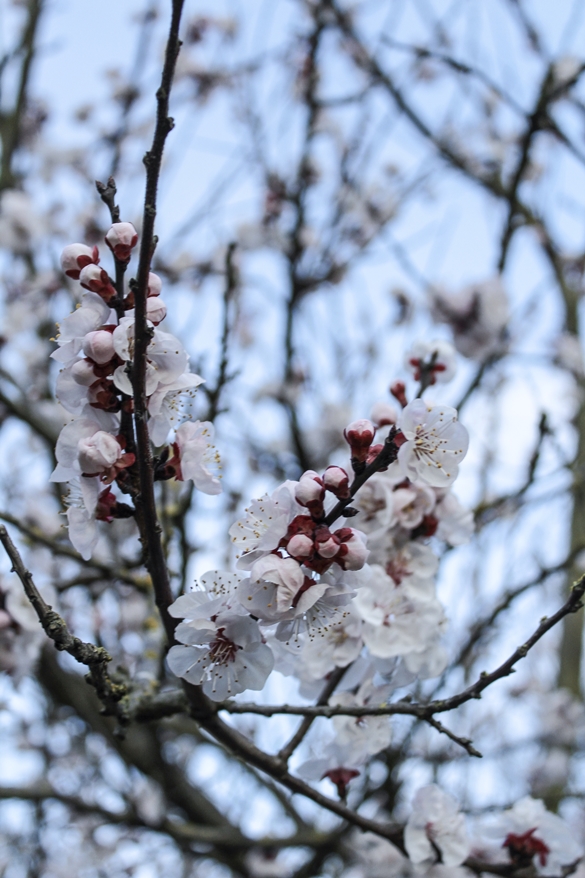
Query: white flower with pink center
{"points": [[216, 592], [92, 314], [542, 837], [339, 644], [435, 443], [436, 825], [363, 735], [225, 658], [397, 621], [195, 456], [412, 504], [265, 524]]}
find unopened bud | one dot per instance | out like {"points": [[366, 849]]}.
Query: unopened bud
{"points": [[353, 553], [300, 546], [82, 373], [99, 346], [156, 310], [94, 278], [154, 284], [328, 548], [398, 391], [384, 414], [310, 490], [121, 238], [97, 453], [359, 436], [76, 256], [336, 480]]}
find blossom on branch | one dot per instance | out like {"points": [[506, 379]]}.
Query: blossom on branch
{"points": [[435, 443], [436, 825]]}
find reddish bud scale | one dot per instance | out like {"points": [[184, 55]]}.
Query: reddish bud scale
{"points": [[524, 847], [398, 391], [427, 527], [341, 778]]}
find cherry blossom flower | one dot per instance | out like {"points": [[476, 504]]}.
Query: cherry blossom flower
{"points": [[535, 836], [338, 765], [217, 592], [477, 315], [194, 452], [435, 443], [338, 645], [412, 504], [225, 657], [83, 442], [101, 454], [435, 823], [363, 735], [398, 621], [375, 501], [433, 362], [83, 530], [265, 524], [92, 314]]}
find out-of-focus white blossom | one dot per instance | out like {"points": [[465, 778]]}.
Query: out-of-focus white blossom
{"points": [[433, 361], [478, 316], [435, 822]]}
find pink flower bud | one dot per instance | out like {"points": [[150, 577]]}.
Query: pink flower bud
{"points": [[94, 278], [309, 489], [121, 238], [97, 453], [99, 346], [384, 414], [398, 391], [336, 480], [156, 310], [76, 256], [154, 284], [300, 546], [353, 553], [328, 548], [82, 373], [359, 436]]}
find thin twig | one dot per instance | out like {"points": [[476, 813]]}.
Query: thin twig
{"points": [[94, 657]]}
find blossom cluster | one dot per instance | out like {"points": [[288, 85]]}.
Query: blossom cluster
{"points": [[312, 594], [438, 841], [96, 450]]}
